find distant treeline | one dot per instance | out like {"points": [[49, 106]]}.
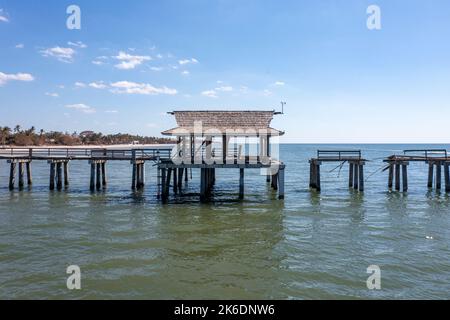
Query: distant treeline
{"points": [[32, 137]]}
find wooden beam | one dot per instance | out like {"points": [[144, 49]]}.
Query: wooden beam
{"points": [[59, 183], [21, 175], [318, 181], [98, 178], [447, 176], [397, 177], [430, 174], [391, 176], [438, 176], [405, 177], [356, 176], [52, 176], [29, 175], [104, 179], [361, 177], [66, 173], [133, 176], [12, 175], [241, 183], [281, 184], [350, 174]]}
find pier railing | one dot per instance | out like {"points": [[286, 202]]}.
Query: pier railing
{"points": [[86, 153], [427, 153], [338, 154]]}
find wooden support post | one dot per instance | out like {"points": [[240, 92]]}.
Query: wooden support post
{"points": [[59, 175], [164, 195], [391, 176], [430, 174], [92, 180], [275, 181], [158, 182], [405, 177], [104, 179], [281, 183], [311, 175], [21, 175], [12, 175], [29, 176], [98, 183], [318, 181], [350, 175], [66, 174], [180, 178], [133, 176], [447, 176], [361, 177], [356, 176], [52, 176], [186, 177], [143, 174], [438, 176], [241, 183], [169, 177], [397, 177], [175, 180], [202, 185], [224, 148]]}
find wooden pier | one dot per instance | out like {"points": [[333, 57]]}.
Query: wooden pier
{"points": [[221, 144], [60, 158], [436, 159], [352, 157]]}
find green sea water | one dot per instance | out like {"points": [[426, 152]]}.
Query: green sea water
{"points": [[309, 246]]}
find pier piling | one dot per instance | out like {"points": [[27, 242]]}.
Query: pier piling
{"points": [[438, 175], [59, 183], [52, 175], [281, 183], [447, 176], [12, 176], [241, 183], [21, 175]]}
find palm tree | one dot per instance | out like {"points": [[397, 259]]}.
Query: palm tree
{"points": [[6, 131], [17, 128]]}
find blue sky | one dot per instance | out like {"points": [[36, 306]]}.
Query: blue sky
{"points": [[132, 61]]}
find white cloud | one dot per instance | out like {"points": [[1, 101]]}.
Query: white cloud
{"points": [[140, 88], [98, 85], [80, 84], [81, 107], [156, 68], [209, 94], [3, 17], [185, 73], [159, 56], [279, 83], [97, 62], [111, 111], [129, 61], [188, 61], [77, 44], [52, 94], [224, 89], [4, 78], [267, 93], [62, 54], [20, 46]]}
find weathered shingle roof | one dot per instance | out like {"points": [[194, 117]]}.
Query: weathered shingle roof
{"points": [[223, 120]]}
